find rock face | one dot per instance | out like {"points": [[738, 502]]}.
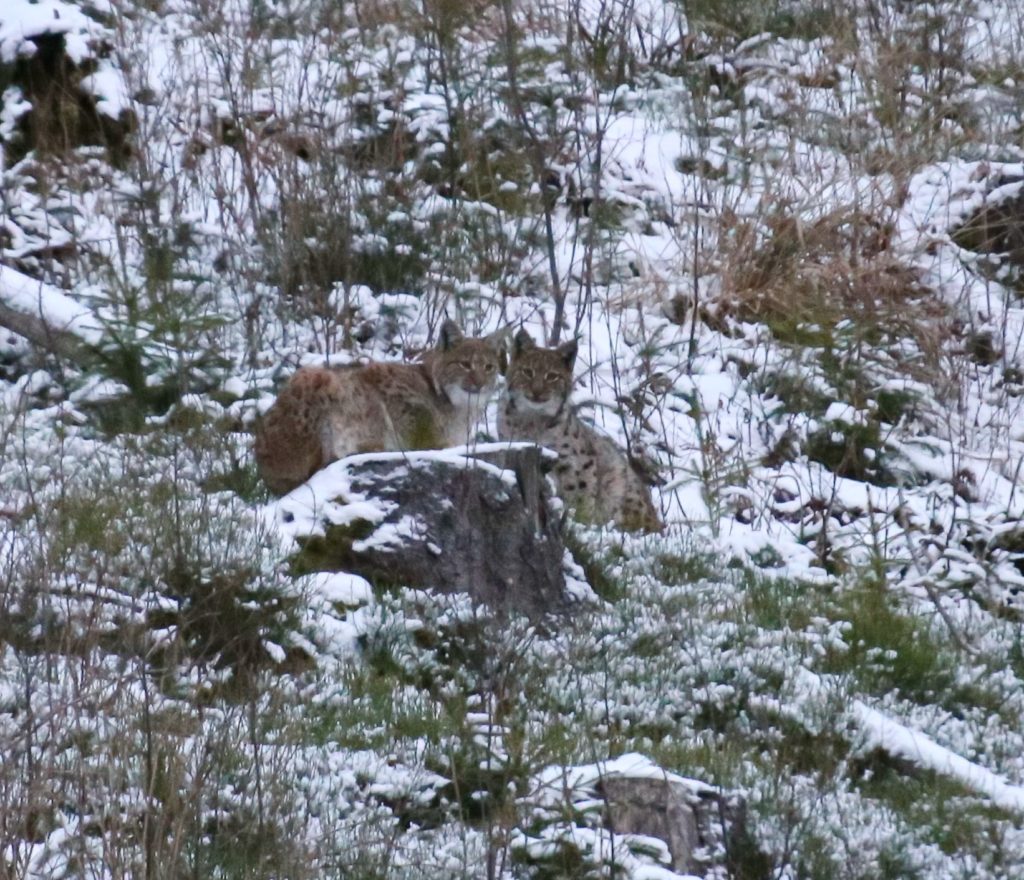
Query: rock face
{"points": [[628, 815], [997, 227], [63, 113], [700, 825], [655, 808], [482, 524]]}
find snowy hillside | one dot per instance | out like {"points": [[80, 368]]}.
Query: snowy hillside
{"points": [[790, 238]]}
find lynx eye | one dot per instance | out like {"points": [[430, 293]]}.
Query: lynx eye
{"points": [[489, 367], [466, 365], [527, 372], [552, 376]]}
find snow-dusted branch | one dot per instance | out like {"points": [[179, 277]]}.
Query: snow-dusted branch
{"points": [[46, 317]]}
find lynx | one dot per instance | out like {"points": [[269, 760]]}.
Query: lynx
{"points": [[592, 474], [324, 414]]}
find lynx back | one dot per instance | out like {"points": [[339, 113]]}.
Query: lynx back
{"points": [[323, 414]]}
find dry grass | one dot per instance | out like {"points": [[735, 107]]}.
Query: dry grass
{"points": [[802, 280]]}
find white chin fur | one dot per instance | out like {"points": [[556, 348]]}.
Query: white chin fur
{"points": [[461, 398], [533, 407]]}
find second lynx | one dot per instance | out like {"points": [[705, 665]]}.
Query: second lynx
{"points": [[593, 475]]}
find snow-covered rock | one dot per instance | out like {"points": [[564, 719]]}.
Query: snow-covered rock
{"points": [[482, 523]]}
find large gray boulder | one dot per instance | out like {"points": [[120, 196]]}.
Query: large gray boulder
{"points": [[482, 522]]}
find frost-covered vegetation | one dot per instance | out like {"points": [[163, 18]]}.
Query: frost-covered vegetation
{"points": [[790, 237]]}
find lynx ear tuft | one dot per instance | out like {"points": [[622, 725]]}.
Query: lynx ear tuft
{"points": [[523, 342], [568, 351], [499, 340], [451, 334]]}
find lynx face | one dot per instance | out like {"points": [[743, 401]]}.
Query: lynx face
{"points": [[540, 379], [465, 370]]}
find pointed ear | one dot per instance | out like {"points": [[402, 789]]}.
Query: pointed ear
{"points": [[568, 352], [498, 340], [523, 342], [450, 335]]}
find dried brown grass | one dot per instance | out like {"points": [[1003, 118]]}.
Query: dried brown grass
{"points": [[798, 277]]}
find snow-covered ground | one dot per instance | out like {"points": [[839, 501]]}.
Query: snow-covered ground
{"points": [[755, 225]]}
